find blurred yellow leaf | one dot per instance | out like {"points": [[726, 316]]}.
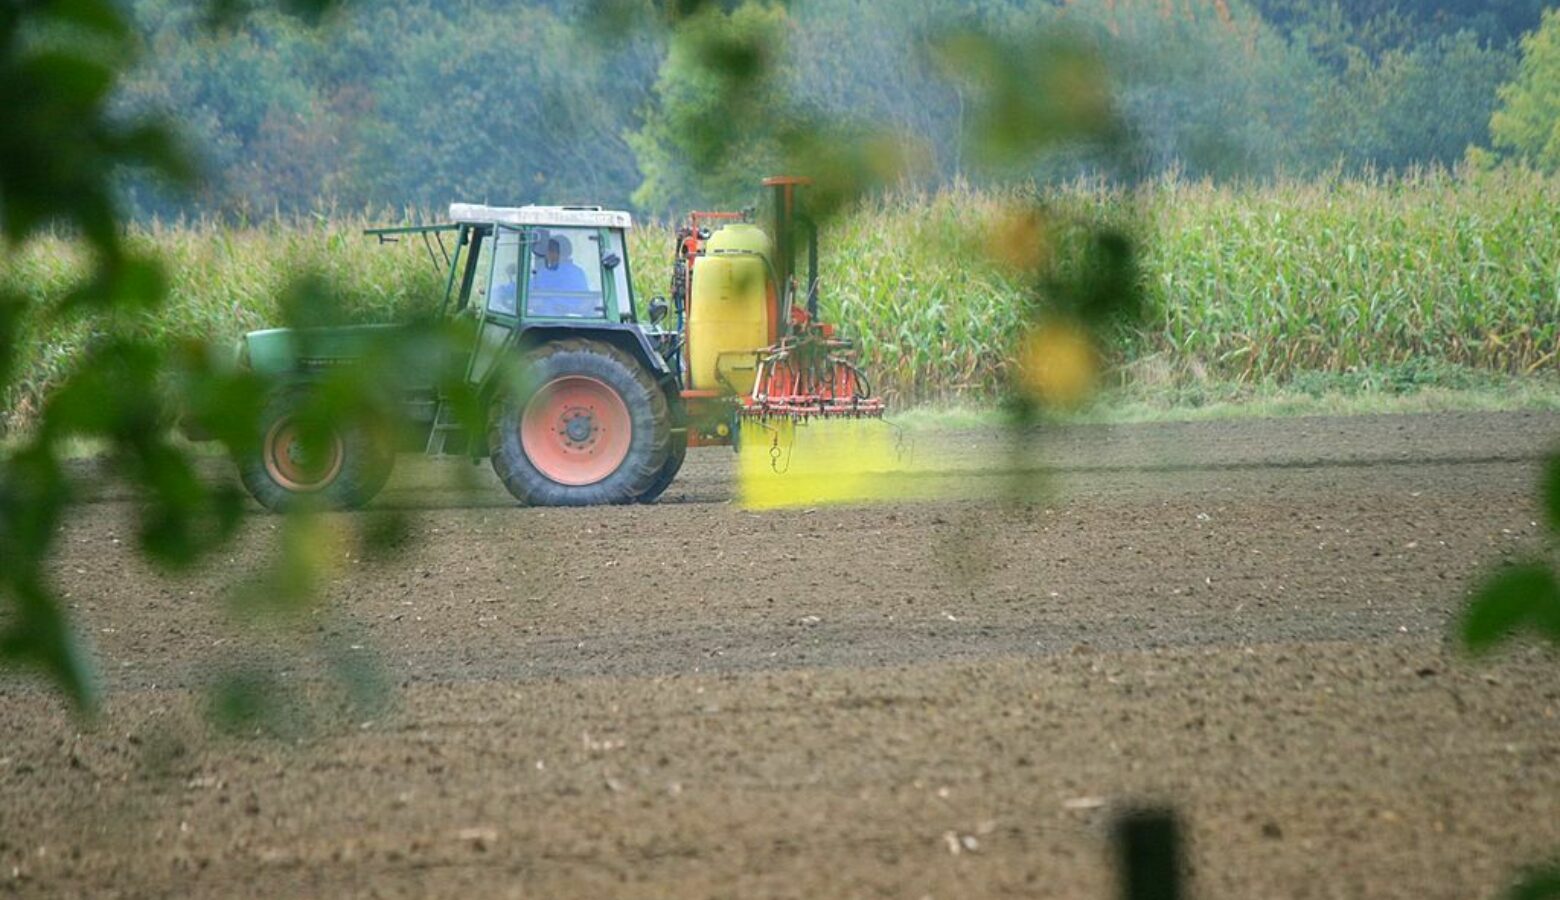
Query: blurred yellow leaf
{"points": [[1058, 364]]}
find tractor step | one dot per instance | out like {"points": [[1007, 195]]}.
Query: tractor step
{"points": [[443, 424]]}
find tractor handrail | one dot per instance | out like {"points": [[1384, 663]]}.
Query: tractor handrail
{"points": [[409, 229], [389, 234]]}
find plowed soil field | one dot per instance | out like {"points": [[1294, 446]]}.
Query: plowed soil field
{"points": [[1247, 622]]}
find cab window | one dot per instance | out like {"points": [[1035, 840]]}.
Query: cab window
{"points": [[565, 277], [482, 268], [505, 286]]}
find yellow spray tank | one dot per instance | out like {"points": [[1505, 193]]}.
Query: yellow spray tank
{"points": [[731, 310], [806, 426]]}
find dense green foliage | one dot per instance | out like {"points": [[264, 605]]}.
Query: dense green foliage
{"points": [[717, 124], [1419, 276], [1336, 27], [1528, 121], [419, 103], [409, 103]]}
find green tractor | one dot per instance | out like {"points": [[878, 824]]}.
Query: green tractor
{"points": [[604, 407]]}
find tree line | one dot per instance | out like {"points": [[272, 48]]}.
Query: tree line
{"points": [[396, 105]]}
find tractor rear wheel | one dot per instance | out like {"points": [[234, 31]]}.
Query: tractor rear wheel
{"points": [[345, 470], [590, 426]]}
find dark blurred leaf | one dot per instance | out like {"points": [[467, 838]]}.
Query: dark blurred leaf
{"points": [[1148, 855], [181, 519], [1550, 485], [359, 671], [97, 15], [39, 637], [1540, 883], [312, 12], [128, 283], [13, 310], [847, 163], [1108, 285], [385, 532], [219, 400], [156, 146], [1032, 93], [33, 492], [224, 15], [252, 700], [312, 301], [1522, 596], [614, 18], [75, 83], [111, 394]]}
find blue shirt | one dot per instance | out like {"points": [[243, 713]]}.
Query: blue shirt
{"points": [[567, 277]]}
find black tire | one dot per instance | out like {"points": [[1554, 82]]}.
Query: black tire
{"points": [[357, 467], [649, 439], [674, 461]]}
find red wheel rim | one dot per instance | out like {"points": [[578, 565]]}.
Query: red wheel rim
{"points": [[576, 430], [288, 462]]}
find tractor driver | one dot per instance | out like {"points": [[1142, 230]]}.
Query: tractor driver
{"points": [[558, 286], [558, 271]]}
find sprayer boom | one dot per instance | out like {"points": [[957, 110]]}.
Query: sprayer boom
{"points": [[809, 373]]}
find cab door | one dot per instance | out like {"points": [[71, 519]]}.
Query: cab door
{"points": [[496, 298]]}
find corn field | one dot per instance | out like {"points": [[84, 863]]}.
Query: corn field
{"points": [[1256, 284], [1243, 285]]}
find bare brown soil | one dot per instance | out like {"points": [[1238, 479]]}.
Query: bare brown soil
{"points": [[1246, 621]]}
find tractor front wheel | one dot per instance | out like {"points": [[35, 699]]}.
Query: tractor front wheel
{"points": [[340, 469], [590, 426]]}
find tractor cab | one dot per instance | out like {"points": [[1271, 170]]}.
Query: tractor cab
{"points": [[542, 263], [529, 274]]}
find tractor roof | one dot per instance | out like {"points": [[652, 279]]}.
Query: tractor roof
{"points": [[587, 216]]}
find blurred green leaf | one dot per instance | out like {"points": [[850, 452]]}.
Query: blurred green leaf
{"points": [[311, 300], [1032, 93], [250, 700], [1539, 883], [156, 146], [13, 309], [110, 394], [1149, 855], [310, 545], [385, 532], [122, 282], [39, 637], [1550, 485], [1107, 286], [358, 670], [1519, 597], [180, 518], [219, 400], [75, 83], [33, 492], [97, 15]]}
